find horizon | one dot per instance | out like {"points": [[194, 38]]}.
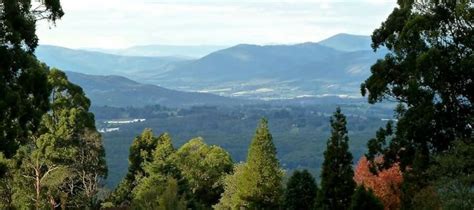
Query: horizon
{"points": [[119, 24], [201, 45]]}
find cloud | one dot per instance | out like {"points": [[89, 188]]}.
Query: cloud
{"points": [[123, 23]]}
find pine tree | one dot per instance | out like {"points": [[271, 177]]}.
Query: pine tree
{"points": [[301, 191], [365, 199], [337, 184], [261, 186]]}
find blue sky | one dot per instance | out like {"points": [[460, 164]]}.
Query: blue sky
{"points": [[125, 23]]}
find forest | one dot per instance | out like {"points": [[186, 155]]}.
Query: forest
{"points": [[53, 157]]}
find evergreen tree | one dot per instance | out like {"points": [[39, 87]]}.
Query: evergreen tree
{"points": [[364, 200], [337, 184], [141, 153], [301, 191], [257, 184], [147, 193]]}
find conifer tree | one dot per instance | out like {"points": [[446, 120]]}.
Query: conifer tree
{"points": [[337, 184], [301, 191], [262, 177]]}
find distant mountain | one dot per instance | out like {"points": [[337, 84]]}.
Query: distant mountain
{"points": [[97, 63], [333, 67], [348, 42], [274, 72], [122, 92], [185, 51]]}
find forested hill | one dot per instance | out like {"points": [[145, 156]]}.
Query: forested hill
{"points": [[122, 92]]}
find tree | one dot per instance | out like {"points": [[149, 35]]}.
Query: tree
{"points": [[23, 80], [231, 199], [65, 153], [385, 183], [257, 184], [148, 191], [301, 191], [429, 71], [452, 176], [365, 199], [203, 167], [141, 153], [337, 184]]}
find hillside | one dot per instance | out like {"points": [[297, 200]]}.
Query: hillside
{"points": [[122, 92], [347, 42], [328, 68], [89, 62]]}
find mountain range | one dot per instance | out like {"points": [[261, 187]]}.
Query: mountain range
{"points": [[332, 67], [118, 91]]}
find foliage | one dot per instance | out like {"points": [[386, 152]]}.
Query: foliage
{"points": [[23, 80], [301, 191], [257, 184], [385, 183], [365, 199], [453, 176], [337, 184], [428, 72], [141, 153], [203, 167], [231, 199]]}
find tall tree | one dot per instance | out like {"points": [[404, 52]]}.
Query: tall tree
{"points": [[257, 184], [56, 157], [301, 191], [141, 153], [429, 71], [23, 81], [337, 184], [147, 193]]}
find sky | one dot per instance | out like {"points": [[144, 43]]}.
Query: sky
{"points": [[114, 24]]}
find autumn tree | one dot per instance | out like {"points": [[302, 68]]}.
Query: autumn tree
{"points": [[301, 191], [429, 71], [385, 183], [337, 184]]}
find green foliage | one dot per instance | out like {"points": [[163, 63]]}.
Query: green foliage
{"points": [[231, 199], [203, 167], [258, 183], [301, 191], [453, 176], [170, 198], [141, 153], [63, 162], [23, 85], [429, 71], [337, 184], [365, 199]]}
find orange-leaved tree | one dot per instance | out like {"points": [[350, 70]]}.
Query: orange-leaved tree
{"points": [[385, 183]]}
